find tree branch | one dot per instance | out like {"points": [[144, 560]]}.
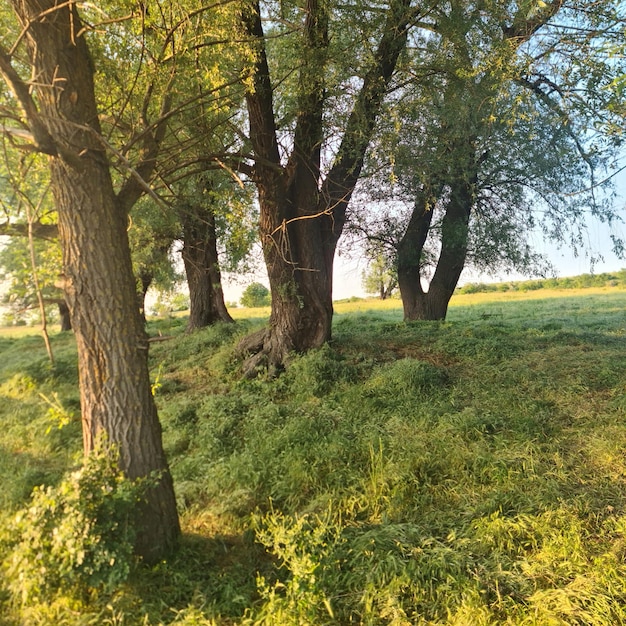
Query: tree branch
{"points": [[341, 180], [44, 141], [524, 27], [259, 97], [135, 185], [41, 231]]}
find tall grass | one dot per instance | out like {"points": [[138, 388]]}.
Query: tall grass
{"points": [[462, 472]]}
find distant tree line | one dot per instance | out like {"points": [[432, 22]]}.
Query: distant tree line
{"points": [[583, 281]]}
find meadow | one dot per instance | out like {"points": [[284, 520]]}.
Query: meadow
{"points": [[466, 472]]}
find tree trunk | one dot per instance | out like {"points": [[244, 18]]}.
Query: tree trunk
{"points": [[410, 252], [145, 279], [302, 214], [433, 304], [299, 261], [64, 316], [116, 398], [202, 268]]}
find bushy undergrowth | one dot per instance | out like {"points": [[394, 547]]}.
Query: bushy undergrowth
{"points": [[468, 472], [74, 539]]}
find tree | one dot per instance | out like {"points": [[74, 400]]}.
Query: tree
{"points": [[255, 295], [21, 295], [198, 213], [152, 234], [30, 221], [496, 130], [61, 115], [302, 203], [381, 277]]}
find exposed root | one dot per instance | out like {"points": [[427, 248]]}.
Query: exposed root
{"points": [[253, 349], [262, 354]]}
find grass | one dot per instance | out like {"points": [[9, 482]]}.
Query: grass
{"points": [[464, 472]]}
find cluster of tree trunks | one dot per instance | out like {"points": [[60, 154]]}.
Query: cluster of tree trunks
{"points": [[302, 212]]}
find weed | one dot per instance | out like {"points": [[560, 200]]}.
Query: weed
{"points": [[76, 538]]}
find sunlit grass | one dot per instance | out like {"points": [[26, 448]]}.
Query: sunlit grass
{"points": [[462, 473]]}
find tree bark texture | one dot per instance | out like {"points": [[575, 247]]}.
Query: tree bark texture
{"points": [[116, 398], [302, 213], [200, 257]]}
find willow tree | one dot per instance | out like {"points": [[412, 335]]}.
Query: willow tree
{"points": [[308, 146], [495, 129], [59, 110]]}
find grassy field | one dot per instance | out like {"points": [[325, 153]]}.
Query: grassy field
{"points": [[468, 472]]}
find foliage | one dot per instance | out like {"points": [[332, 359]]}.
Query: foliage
{"points": [[380, 278], [496, 116], [169, 302], [15, 267], [76, 538], [255, 295], [615, 279]]}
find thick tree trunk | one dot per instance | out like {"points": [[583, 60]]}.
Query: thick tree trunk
{"points": [[202, 269], [302, 214], [299, 261], [116, 398], [410, 253], [64, 316]]}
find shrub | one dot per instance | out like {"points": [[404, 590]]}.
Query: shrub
{"points": [[76, 538]]}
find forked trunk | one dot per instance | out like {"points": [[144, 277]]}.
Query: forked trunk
{"points": [[433, 304], [299, 259], [302, 214], [115, 390], [201, 261]]}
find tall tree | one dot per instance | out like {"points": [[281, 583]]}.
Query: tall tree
{"points": [[204, 278], [303, 208], [60, 111], [499, 125]]}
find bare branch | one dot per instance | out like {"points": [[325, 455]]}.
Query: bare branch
{"points": [[43, 139]]}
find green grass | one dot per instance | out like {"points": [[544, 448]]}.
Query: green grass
{"points": [[464, 472]]}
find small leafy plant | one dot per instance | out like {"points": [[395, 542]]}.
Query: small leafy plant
{"points": [[76, 538]]}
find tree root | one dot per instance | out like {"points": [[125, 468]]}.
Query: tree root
{"points": [[262, 355]]}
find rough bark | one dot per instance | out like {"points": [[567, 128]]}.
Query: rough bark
{"points": [[302, 213], [116, 398], [200, 258]]}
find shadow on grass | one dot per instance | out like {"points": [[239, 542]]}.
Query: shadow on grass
{"points": [[213, 574]]}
